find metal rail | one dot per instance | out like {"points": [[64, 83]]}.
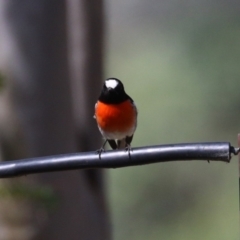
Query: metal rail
{"points": [[210, 151]]}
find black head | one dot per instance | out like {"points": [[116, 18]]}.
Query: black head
{"points": [[113, 92]]}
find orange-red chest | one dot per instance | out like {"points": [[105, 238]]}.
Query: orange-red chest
{"points": [[115, 117]]}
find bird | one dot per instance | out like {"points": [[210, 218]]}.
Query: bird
{"points": [[116, 116]]}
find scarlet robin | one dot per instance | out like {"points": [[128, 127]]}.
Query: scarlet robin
{"points": [[116, 115]]}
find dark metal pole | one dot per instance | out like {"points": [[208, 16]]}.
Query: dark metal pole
{"points": [[219, 151]]}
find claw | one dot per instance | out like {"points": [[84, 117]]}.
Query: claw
{"points": [[99, 151], [128, 149], [102, 149]]}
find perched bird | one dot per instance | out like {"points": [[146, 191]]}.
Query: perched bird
{"points": [[116, 115]]}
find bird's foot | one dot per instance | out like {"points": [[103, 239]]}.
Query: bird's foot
{"points": [[99, 152], [128, 149]]}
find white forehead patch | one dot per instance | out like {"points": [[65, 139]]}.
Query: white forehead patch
{"points": [[111, 83]]}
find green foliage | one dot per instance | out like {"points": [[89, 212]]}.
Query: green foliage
{"points": [[40, 195]]}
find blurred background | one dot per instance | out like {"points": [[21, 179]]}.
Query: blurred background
{"points": [[178, 60]]}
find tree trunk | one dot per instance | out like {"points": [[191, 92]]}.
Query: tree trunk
{"points": [[48, 110]]}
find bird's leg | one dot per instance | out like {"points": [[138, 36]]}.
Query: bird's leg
{"points": [[102, 149], [111, 142], [128, 141]]}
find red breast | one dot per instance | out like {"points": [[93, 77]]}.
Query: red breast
{"points": [[115, 117]]}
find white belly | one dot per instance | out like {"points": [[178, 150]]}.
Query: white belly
{"points": [[118, 135]]}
